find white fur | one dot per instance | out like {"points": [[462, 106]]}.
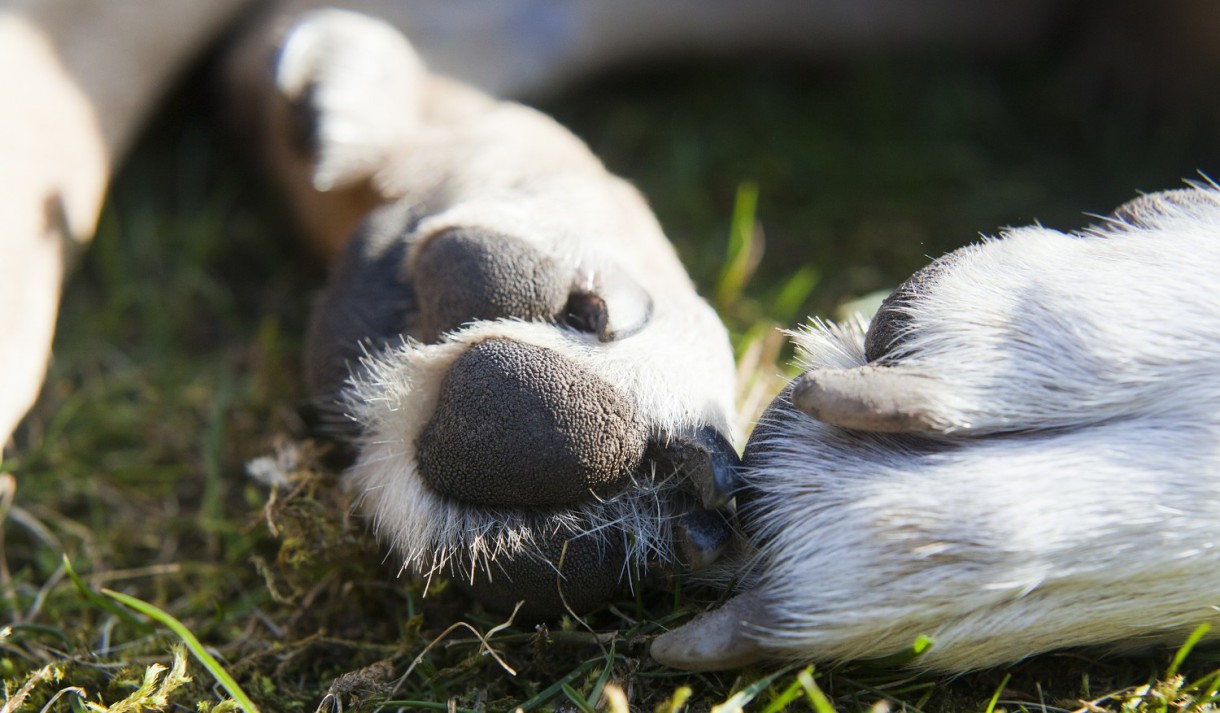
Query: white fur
{"points": [[1041, 330], [365, 82], [1098, 523], [464, 160], [1064, 490]]}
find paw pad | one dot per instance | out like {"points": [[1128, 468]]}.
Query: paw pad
{"points": [[466, 274], [510, 431]]}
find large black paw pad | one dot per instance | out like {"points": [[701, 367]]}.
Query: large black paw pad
{"points": [[518, 425]]}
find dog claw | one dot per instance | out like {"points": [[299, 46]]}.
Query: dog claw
{"points": [[868, 398], [702, 536], [608, 304], [709, 459], [715, 640]]}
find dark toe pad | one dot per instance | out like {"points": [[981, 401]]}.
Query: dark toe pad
{"points": [[467, 274]]}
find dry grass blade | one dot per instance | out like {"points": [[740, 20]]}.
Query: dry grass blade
{"points": [[483, 642]]}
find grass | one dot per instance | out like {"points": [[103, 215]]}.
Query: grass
{"points": [[177, 362]]}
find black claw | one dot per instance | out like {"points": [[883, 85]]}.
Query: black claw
{"points": [[702, 536], [608, 304], [721, 477], [708, 458]]}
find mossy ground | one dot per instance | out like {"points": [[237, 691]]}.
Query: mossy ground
{"points": [[177, 361]]}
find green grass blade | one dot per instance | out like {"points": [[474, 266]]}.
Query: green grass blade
{"points": [[596, 694], [738, 700], [780, 702], [1205, 691], [786, 306], [995, 697], [577, 699], [555, 688], [742, 255], [99, 601], [1185, 649], [918, 648], [816, 697], [192, 644], [677, 701]]}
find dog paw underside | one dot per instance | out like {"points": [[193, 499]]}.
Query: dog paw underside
{"points": [[539, 400], [1019, 455]]}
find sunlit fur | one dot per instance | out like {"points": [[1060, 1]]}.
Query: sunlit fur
{"points": [[1041, 330], [1065, 493], [1091, 520]]}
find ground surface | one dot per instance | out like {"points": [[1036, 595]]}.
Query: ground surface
{"points": [[177, 362]]}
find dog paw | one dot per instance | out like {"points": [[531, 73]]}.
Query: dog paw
{"points": [[539, 398], [1088, 526], [1036, 329], [517, 423]]}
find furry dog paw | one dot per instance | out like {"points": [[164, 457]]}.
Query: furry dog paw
{"points": [[1019, 454], [540, 401], [1035, 331]]}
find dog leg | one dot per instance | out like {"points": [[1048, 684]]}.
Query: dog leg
{"points": [[80, 78], [1086, 517], [540, 400]]}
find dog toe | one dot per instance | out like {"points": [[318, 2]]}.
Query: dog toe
{"points": [[353, 86], [561, 575], [467, 274]]}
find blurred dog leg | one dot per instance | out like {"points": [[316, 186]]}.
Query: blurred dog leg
{"points": [[80, 78]]}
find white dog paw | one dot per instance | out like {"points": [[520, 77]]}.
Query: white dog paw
{"points": [[1038, 329], [540, 400], [1088, 519], [516, 423]]}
